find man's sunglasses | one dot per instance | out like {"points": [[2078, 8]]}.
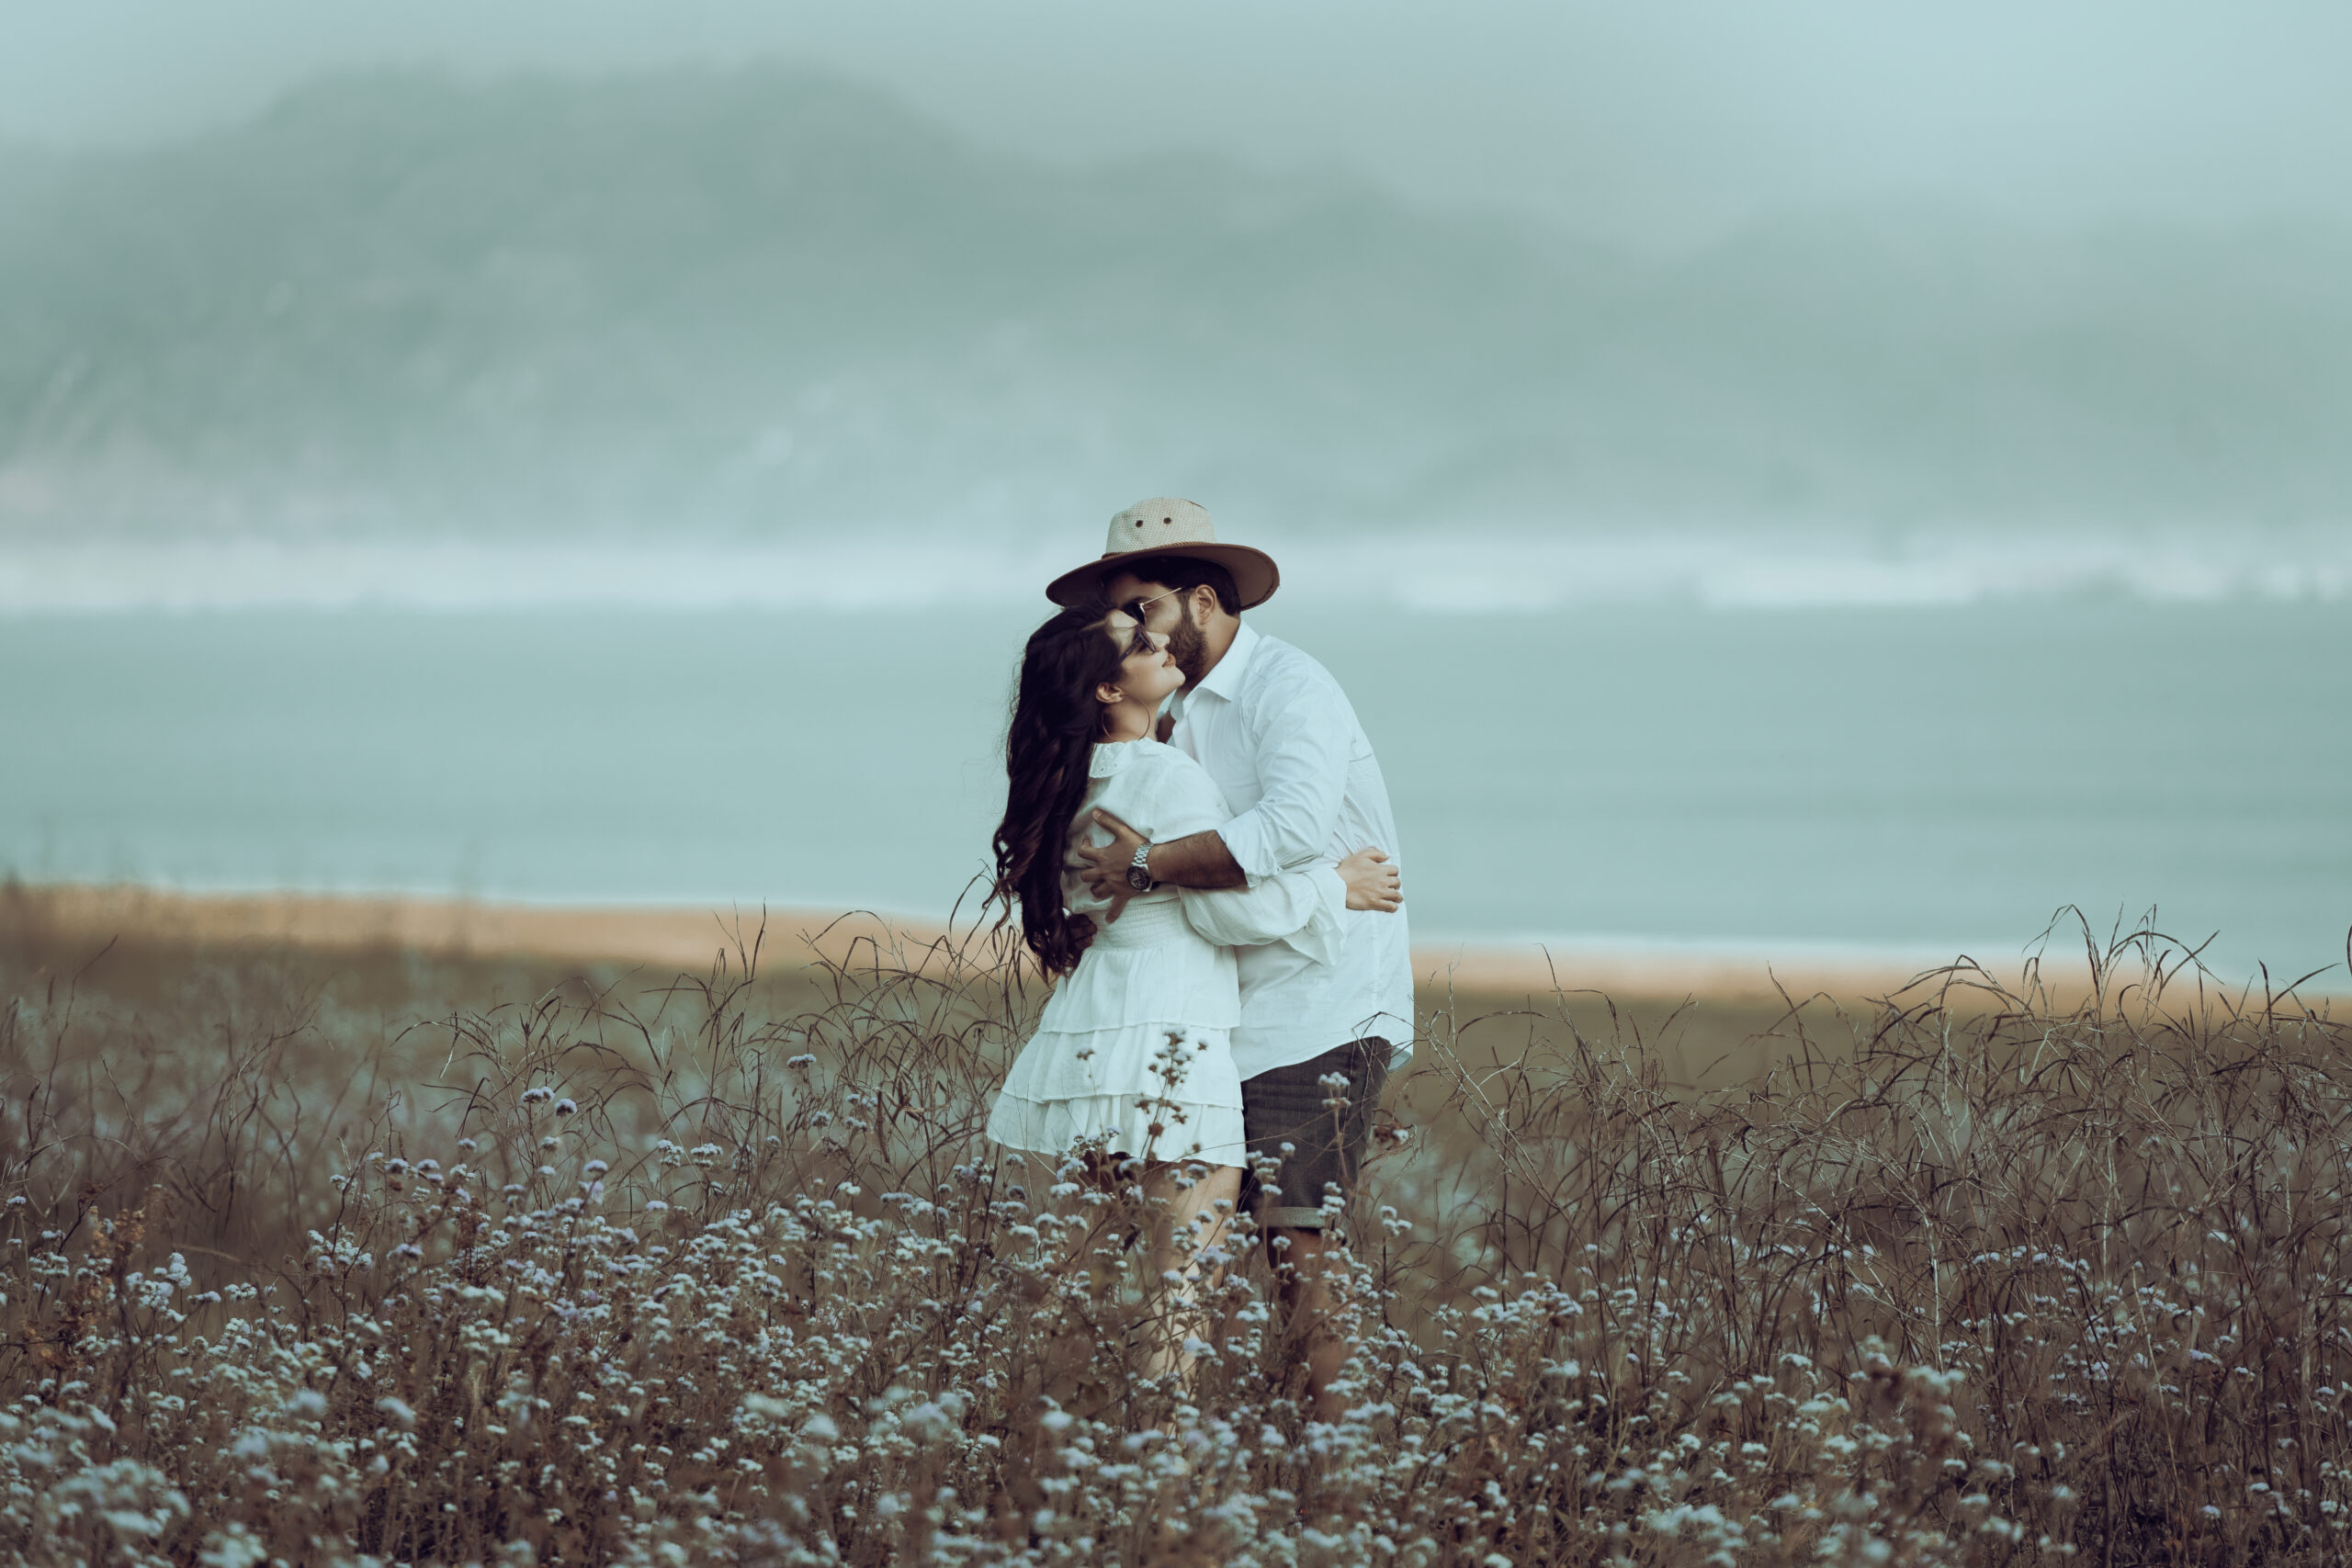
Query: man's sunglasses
{"points": [[1141, 608]]}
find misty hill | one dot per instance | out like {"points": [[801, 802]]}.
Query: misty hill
{"points": [[764, 302]]}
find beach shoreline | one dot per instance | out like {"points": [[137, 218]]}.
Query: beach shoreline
{"points": [[691, 938]]}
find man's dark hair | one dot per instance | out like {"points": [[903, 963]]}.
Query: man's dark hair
{"points": [[1184, 573]]}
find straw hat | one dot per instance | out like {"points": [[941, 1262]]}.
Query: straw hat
{"points": [[1168, 526]]}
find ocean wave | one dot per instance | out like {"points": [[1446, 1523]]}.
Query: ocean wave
{"points": [[1433, 573]]}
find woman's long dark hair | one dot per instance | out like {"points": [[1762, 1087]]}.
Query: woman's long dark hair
{"points": [[1056, 722]]}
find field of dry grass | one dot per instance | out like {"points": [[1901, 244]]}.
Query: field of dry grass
{"points": [[332, 1256]]}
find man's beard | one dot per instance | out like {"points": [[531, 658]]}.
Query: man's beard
{"points": [[1189, 649]]}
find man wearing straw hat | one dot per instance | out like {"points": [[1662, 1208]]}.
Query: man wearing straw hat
{"points": [[1279, 736]]}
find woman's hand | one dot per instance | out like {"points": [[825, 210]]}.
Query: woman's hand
{"points": [[1372, 883]]}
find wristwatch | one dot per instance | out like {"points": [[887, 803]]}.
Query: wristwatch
{"points": [[1139, 871]]}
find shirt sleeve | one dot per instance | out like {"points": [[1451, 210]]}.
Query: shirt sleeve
{"points": [[1305, 746]]}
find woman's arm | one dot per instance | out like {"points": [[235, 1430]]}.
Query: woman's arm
{"points": [[1301, 908], [1278, 909]]}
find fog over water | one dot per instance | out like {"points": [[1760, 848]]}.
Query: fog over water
{"points": [[698, 310]]}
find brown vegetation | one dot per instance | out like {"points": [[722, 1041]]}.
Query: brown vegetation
{"points": [[317, 1259]]}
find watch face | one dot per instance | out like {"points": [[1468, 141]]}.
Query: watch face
{"points": [[1139, 879]]}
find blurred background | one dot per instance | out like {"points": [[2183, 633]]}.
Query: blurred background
{"points": [[1827, 477]]}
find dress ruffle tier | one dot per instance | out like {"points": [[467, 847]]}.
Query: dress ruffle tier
{"points": [[1048, 1105]]}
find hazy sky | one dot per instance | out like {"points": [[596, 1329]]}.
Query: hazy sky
{"points": [[1637, 117]]}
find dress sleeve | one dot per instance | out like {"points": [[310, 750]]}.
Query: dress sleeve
{"points": [[1178, 798], [1302, 908]]}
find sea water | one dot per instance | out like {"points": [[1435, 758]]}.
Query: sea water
{"points": [[1930, 778]]}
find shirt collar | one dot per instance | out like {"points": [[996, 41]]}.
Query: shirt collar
{"points": [[1226, 679]]}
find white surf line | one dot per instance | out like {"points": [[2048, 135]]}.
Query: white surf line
{"points": [[1469, 573]]}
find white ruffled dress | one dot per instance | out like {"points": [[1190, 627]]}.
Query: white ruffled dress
{"points": [[1133, 1051]]}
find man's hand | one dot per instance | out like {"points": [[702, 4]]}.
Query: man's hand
{"points": [[1105, 870], [1372, 883], [1199, 860]]}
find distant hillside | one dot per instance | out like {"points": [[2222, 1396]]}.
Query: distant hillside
{"points": [[763, 302]]}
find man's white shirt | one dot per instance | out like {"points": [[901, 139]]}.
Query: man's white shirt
{"points": [[1281, 740]]}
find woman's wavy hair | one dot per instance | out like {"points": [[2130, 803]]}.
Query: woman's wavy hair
{"points": [[1056, 722]]}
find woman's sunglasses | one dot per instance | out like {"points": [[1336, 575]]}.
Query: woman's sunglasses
{"points": [[1140, 645]]}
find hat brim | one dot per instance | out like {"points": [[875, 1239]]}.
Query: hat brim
{"points": [[1255, 576]]}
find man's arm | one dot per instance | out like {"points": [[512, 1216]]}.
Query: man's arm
{"points": [[1198, 860], [1305, 742]]}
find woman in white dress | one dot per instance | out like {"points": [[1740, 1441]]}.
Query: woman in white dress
{"points": [[1132, 1055]]}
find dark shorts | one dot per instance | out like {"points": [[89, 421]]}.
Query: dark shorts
{"points": [[1285, 1117]]}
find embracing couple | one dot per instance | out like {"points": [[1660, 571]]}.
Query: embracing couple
{"points": [[1217, 892]]}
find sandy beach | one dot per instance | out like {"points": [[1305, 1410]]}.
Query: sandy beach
{"points": [[661, 937], [1703, 1014], [1468, 979], [689, 937]]}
